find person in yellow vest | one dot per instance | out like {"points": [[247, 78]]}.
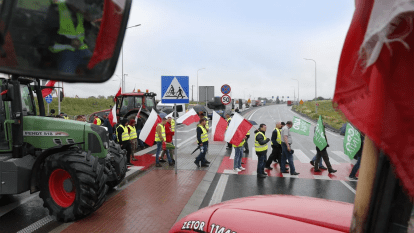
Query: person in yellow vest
{"points": [[169, 139], [133, 138], [97, 120], [202, 141], [276, 146], [246, 145], [238, 150], [160, 138], [260, 146], [228, 119], [66, 24], [123, 138]]}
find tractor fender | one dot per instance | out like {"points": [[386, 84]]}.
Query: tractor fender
{"points": [[34, 185]]}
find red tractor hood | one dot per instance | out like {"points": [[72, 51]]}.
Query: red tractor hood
{"points": [[270, 213]]}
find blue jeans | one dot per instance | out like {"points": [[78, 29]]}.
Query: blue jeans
{"points": [[238, 156], [140, 142], [355, 168], [159, 149], [69, 61], [287, 155], [202, 156], [261, 160], [320, 161]]}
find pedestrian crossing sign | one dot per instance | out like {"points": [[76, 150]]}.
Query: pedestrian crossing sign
{"points": [[175, 89]]}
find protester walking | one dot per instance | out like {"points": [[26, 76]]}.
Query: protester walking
{"points": [[160, 138], [358, 156], [202, 141], [287, 152], [276, 146], [133, 138], [324, 154], [123, 138], [238, 150], [260, 146], [169, 139]]}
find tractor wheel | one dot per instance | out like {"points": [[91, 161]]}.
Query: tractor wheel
{"points": [[72, 185], [115, 165]]}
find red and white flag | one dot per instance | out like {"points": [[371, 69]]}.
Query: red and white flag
{"points": [[118, 93], [147, 134], [48, 91], [188, 118], [137, 116], [218, 127], [375, 79], [237, 129], [112, 116]]}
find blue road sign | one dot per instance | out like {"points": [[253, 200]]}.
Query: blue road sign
{"points": [[225, 89], [49, 99], [175, 89]]}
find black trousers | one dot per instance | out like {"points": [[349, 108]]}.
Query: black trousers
{"points": [[126, 145], [276, 154], [246, 145], [325, 157]]}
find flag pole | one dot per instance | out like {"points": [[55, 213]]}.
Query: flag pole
{"points": [[175, 149]]}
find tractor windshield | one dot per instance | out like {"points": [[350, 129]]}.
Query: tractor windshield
{"points": [[27, 100]]}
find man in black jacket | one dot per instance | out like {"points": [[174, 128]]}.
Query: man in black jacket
{"points": [[108, 125], [276, 146], [260, 145], [139, 126], [123, 139]]}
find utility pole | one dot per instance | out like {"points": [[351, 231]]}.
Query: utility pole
{"points": [[192, 93]]}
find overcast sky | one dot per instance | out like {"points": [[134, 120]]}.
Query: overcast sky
{"points": [[256, 47]]}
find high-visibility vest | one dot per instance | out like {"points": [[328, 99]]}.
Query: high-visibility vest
{"points": [[98, 121], [67, 28], [228, 120], [133, 133], [207, 127], [125, 134], [204, 135], [279, 139], [257, 146], [66, 118], [158, 137], [173, 125], [241, 144], [248, 133]]}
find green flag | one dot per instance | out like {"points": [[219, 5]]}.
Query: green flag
{"points": [[352, 141], [300, 126], [319, 137]]}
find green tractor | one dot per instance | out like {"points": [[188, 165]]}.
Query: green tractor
{"points": [[72, 164]]}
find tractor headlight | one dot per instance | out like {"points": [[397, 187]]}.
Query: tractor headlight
{"points": [[106, 145]]}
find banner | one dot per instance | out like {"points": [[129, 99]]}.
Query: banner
{"points": [[319, 137], [300, 126], [352, 141]]}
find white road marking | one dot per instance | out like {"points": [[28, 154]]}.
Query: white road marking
{"points": [[253, 114], [333, 161], [301, 156], [319, 177], [189, 139], [342, 155], [219, 190], [289, 175], [229, 171], [33, 227], [143, 152], [349, 187], [185, 131], [233, 153], [132, 169], [5, 209]]}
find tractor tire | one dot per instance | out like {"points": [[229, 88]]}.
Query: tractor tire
{"points": [[72, 185], [115, 165]]}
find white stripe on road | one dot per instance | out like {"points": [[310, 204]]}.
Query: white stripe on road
{"points": [[301, 156], [333, 161], [254, 156], [143, 152], [319, 177], [289, 175], [185, 131], [342, 155], [230, 171], [132, 169], [349, 187], [219, 191], [253, 114], [233, 153]]}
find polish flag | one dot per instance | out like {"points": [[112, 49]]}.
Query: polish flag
{"points": [[137, 116], [147, 134], [118, 93], [188, 118], [237, 130], [48, 91], [112, 116], [218, 127]]}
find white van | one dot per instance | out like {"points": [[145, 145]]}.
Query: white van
{"points": [[168, 108]]}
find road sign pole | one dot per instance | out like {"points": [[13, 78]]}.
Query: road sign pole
{"points": [[175, 149], [47, 109]]}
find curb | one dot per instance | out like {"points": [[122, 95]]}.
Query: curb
{"points": [[330, 128]]}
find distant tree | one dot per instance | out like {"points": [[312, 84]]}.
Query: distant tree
{"points": [[101, 97], [111, 97], [91, 97]]}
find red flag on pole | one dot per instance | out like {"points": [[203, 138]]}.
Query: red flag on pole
{"points": [[112, 116], [375, 79], [237, 129], [48, 91], [218, 127], [147, 134], [189, 117]]}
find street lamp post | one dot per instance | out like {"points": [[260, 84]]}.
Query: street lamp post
{"points": [[198, 97], [316, 96], [294, 94], [122, 51], [298, 88]]}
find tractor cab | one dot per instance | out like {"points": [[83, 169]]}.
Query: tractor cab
{"points": [[128, 104]]}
